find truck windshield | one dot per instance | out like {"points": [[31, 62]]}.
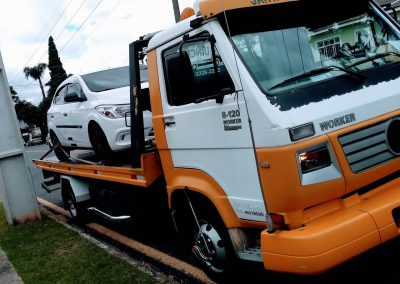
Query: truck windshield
{"points": [[293, 46]]}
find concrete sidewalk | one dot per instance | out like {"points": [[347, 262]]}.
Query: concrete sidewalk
{"points": [[8, 275]]}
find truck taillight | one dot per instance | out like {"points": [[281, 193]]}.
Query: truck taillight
{"points": [[314, 160]]}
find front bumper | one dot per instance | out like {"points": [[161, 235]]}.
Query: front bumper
{"points": [[360, 223]]}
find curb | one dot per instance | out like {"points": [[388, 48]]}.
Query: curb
{"points": [[7, 272]]}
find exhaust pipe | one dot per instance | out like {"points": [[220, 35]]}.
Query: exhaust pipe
{"points": [[108, 217]]}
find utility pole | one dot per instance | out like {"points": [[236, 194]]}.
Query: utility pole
{"points": [[16, 184], [177, 12]]}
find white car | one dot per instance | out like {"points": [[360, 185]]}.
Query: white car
{"points": [[91, 111]]}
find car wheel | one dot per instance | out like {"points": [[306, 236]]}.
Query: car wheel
{"points": [[76, 210], [99, 141], [61, 153]]}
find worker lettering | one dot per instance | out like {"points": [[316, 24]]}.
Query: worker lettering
{"points": [[333, 123]]}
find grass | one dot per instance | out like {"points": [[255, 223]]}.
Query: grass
{"points": [[47, 252]]}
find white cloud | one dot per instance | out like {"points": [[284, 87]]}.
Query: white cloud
{"points": [[101, 42]]}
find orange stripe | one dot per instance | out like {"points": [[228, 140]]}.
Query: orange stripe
{"points": [[210, 8]]}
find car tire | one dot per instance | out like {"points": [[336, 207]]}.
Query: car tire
{"points": [[99, 141], [59, 150]]}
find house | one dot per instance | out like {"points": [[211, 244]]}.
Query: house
{"points": [[392, 7]]}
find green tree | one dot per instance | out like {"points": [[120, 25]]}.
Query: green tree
{"points": [[36, 73], [14, 94], [57, 72], [27, 112]]}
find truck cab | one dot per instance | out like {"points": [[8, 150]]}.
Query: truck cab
{"points": [[284, 116]]}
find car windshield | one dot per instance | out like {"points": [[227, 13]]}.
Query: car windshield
{"points": [[111, 78], [282, 53]]}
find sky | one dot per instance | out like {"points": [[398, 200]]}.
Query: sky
{"points": [[89, 35]]}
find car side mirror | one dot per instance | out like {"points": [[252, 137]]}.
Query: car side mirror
{"points": [[73, 97]]}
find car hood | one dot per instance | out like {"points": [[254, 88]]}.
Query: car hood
{"points": [[114, 96]]}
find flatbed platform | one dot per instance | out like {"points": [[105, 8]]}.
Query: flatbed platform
{"points": [[144, 176]]}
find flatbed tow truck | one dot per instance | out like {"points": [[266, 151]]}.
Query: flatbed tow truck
{"points": [[276, 134]]}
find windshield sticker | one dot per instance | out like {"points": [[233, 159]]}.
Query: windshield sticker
{"points": [[232, 120], [336, 122]]}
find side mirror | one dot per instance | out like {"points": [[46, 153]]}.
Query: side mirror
{"points": [[180, 78], [73, 97]]}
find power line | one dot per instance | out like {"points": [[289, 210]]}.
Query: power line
{"points": [[73, 16], [77, 30], [38, 37], [55, 39], [97, 26], [56, 22]]}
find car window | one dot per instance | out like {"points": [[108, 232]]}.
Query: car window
{"points": [[59, 97], [111, 78]]}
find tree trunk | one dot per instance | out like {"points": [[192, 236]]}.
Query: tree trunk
{"points": [[41, 87]]}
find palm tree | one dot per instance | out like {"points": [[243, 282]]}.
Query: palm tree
{"points": [[36, 73]]}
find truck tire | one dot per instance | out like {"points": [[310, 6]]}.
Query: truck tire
{"points": [[58, 150], [222, 259], [76, 210]]}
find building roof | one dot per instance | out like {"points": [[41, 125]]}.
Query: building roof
{"points": [[386, 3]]}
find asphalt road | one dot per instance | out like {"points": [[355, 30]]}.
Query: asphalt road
{"points": [[379, 265], [34, 153]]}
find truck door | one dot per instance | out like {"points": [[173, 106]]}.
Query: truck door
{"points": [[206, 122]]}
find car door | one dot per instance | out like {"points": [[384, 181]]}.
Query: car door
{"points": [[55, 118], [75, 114], [207, 131]]}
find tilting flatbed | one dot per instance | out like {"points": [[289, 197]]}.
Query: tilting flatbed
{"points": [[144, 176]]}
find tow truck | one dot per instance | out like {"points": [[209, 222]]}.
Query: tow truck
{"points": [[276, 134]]}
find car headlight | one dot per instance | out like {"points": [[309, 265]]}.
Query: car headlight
{"points": [[114, 111]]}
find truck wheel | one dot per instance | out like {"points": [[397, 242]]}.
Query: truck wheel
{"points": [[211, 244], [59, 149], [76, 210], [99, 141]]}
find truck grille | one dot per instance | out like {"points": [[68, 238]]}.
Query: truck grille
{"points": [[367, 147]]}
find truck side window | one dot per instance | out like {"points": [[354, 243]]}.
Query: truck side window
{"points": [[205, 82]]}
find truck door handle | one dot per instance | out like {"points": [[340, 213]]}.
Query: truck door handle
{"points": [[65, 114], [169, 123]]}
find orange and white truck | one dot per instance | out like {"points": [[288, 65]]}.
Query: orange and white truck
{"points": [[276, 133]]}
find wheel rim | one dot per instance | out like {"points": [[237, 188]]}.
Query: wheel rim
{"points": [[210, 248], [70, 204]]}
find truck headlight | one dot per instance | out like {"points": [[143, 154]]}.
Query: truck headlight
{"points": [[114, 111], [314, 160]]}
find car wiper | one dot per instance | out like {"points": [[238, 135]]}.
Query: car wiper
{"points": [[317, 71], [372, 58]]}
